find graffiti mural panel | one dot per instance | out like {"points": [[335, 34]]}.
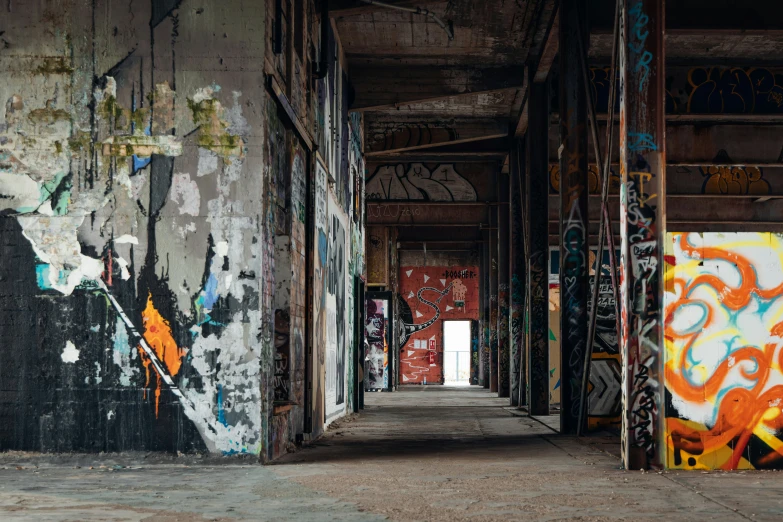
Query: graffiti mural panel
{"points": [[723, 330], [376, 330], [418, 181], [428, 296], [336, 310], [604, 400]]}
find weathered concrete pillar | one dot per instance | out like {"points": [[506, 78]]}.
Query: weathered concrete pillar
{"points": [[517, 273], [573, 212], [483, 370], [493, 301], [537, 272], [643, 229], [504, 352]]}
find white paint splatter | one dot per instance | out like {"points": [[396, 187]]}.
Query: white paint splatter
{"points": [[221, 248], [98, 378], [70, 354], [207, 162], [185, 194], [127, 238]]}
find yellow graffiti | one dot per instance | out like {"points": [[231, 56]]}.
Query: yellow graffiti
{"points": [[157, 333], [734, 180]]}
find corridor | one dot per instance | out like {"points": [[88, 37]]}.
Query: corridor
{"points": [[423, 453]]}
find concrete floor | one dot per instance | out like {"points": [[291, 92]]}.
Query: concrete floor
{"points": [[423, 453]]}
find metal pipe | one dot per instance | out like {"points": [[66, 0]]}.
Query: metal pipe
{"points": [[448, 27]]}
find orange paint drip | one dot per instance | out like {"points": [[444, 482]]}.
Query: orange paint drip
{"points": [[157, 333]]}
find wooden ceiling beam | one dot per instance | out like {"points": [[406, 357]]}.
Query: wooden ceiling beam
{"points": [[387, 87], [385, 137], [341, 8]]}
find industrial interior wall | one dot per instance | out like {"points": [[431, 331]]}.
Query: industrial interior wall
{"points": [[430, 295], [722, 365], [604, 389], [136, 272]]}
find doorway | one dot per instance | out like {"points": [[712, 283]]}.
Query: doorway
{"points": [[456, 353]]}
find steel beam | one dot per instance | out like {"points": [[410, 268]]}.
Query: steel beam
{"points": [[537, 180], [517, 275], [643, 229], [573, 212]]}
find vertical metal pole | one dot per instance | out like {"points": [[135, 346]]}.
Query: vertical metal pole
{"points": [[573, 213], [517, 273], [538, 273], [493, 301], [504, 353], [642, 229]]}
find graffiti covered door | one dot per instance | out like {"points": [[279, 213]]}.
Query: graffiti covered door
{"points": [[378, 328]]}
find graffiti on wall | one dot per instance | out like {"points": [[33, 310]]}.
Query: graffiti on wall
{"points": [[107, 227], [721, 179], [426, 299], [594, 183], [378, 256], [336, 310], [641, 166], [417, 181], [376, 330], [604, 389], [723, 328], [709, 90]]}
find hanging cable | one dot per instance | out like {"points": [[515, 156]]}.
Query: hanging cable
{"points": [[447, 26]]}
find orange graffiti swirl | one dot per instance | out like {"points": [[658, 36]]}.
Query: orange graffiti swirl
{"points": [[740, 409]]}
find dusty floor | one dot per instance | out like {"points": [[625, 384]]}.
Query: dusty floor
{"points": [[424, 453]]}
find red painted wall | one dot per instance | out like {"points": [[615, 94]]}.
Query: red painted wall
{"points": [[443, 286]]}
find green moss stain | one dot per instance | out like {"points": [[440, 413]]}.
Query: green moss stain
{"points": [[212, 133], [48, 116], [54, 65], [79, 141]]}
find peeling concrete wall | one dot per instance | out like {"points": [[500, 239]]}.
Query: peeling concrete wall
{"points": [[134, 276]]}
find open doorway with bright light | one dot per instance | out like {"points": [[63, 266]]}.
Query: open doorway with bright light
{"points": [[456, 353]]}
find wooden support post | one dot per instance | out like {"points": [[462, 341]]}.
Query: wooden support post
{"points": [[573, 213], [642, 229], [517, 273], [537, 211]]}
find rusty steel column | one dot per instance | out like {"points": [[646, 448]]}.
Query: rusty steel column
{"points": [[482, 317], [504, 354], [642, 229], [517, 273], [537, 211], [493, 300], [573, 213], [485, 279]]}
